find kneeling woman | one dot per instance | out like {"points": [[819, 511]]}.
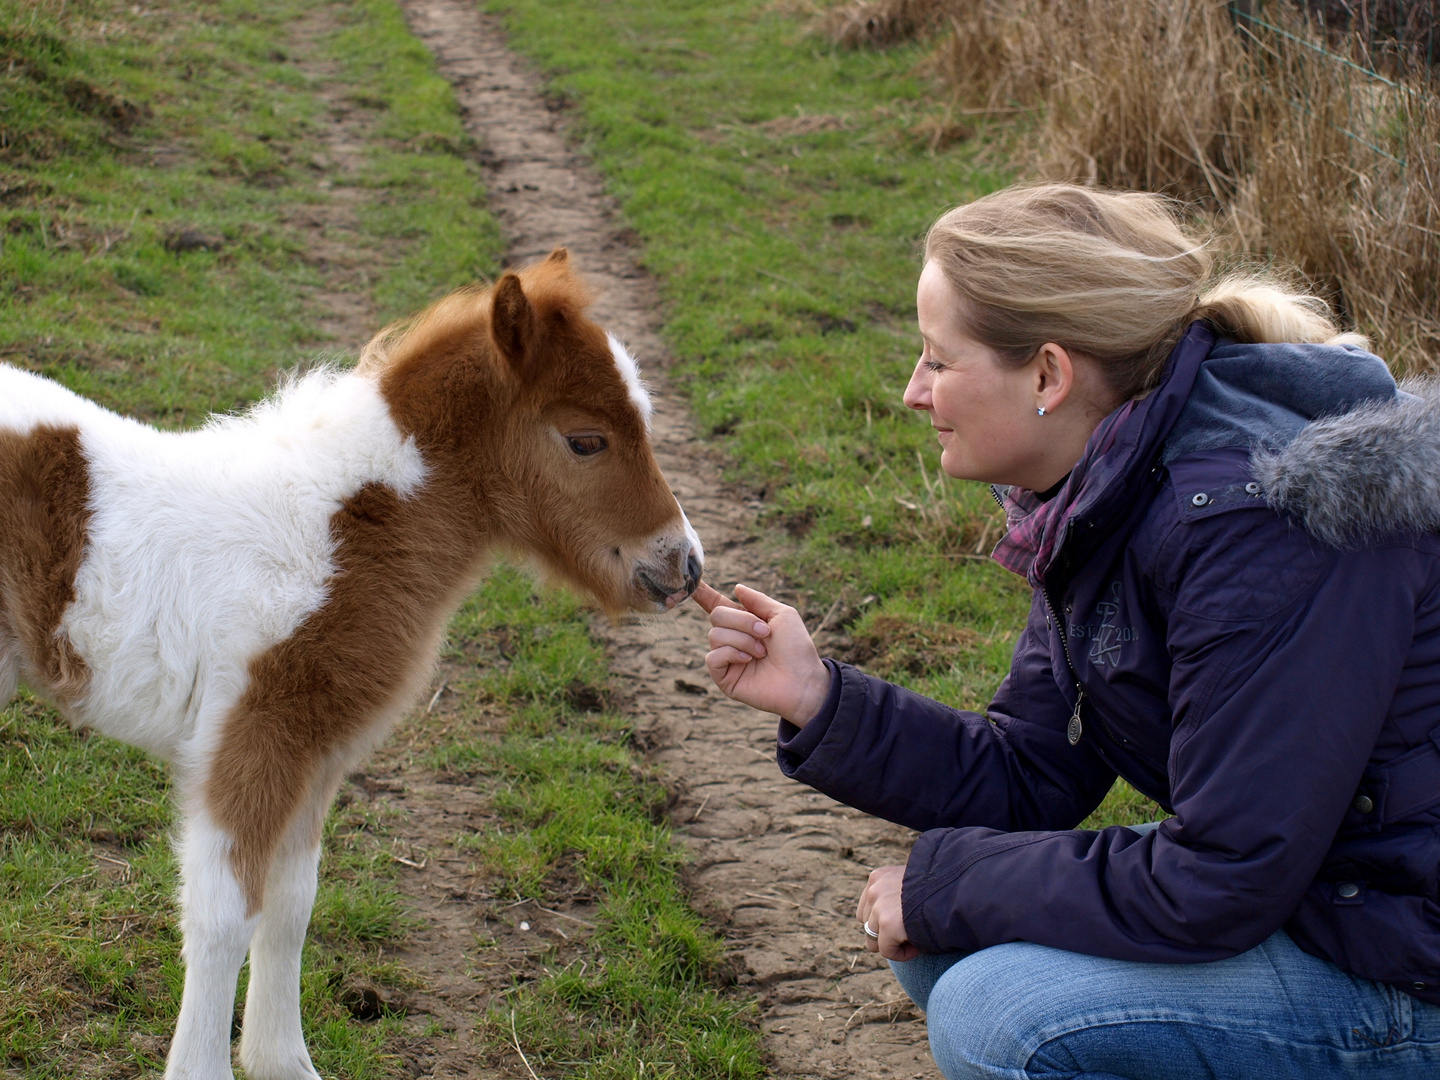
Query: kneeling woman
{"points": [[1225, 510]]}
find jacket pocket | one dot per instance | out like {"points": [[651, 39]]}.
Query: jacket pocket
{"points": [[1403, 790], [1403, 862]]}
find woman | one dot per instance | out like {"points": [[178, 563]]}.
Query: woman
{"points": [[1224, 509]]}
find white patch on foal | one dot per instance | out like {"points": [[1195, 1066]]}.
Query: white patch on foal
{"points": [[209, 547], [629, 370]]}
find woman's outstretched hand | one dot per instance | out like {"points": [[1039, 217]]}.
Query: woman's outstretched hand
{"points": [[761, 654]]}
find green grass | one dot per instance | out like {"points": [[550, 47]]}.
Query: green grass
{"points": [[123, 126], [226, 141], [782, 189], [428, 202], [578, 813]]}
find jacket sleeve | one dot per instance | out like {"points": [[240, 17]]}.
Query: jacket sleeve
{"points": [[895, 754], [1285, 658]]}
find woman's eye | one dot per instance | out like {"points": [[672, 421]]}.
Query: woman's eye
{"points": [[586, 445], [934, 365]]}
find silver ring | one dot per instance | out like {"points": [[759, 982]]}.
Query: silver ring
{"points": [[871, 933]]}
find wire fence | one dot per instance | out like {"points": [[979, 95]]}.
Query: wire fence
{"points": [[1247, 21], [1408, 29], [1255, 30]]}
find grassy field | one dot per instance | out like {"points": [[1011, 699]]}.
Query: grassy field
{"points": [[781, 188], [577, 813], [154, 261]]}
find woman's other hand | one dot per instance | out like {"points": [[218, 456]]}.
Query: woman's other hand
{"points": [[762, 655], [879, 909]]}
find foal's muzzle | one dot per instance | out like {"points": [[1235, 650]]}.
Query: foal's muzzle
{"points": [[669, 575]]}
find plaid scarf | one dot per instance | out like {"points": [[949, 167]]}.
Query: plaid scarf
{"points": [[1035, 527]]}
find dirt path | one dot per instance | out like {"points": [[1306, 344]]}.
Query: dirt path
{"points": [[341, 304], [776, 865]]}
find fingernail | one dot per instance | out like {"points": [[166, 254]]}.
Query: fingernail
{"points": [[762, 628]]}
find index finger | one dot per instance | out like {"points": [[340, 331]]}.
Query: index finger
{"points": [[709, 598]]}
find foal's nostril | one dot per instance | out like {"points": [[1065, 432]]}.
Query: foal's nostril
{"points": [[693, 568]]}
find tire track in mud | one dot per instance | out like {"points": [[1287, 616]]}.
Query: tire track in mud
{"points": [[776, 865]]}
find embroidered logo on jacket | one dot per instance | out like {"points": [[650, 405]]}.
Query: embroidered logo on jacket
{"points": [[1106, 637]]}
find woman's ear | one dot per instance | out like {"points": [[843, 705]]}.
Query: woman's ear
{"points": [[1054, 376]]}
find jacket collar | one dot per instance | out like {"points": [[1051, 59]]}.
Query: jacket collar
{"points": [[1045, 540], [1335, 445]]}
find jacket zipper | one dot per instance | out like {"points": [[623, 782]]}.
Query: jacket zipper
{"points": [[1075, 728]]}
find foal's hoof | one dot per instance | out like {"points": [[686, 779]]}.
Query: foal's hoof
{"points": [[282, 1067]]}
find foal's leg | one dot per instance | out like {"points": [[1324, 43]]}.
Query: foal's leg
{"points": [[217, 931], [9, 676], [9, 663], [272, 1046]]}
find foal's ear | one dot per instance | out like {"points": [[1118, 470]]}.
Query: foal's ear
{"points": [[512, 321], [559, 256]]}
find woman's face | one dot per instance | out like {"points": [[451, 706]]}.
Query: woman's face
{"points": [[983, 414]]}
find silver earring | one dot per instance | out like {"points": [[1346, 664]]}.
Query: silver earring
{"points": [[1040, 411]]}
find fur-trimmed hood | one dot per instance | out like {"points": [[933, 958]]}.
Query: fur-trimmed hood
{"points": [[1336, 444], [1370, 471]]}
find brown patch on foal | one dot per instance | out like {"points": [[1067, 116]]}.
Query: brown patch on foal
{"points": [[461, 379], [45, 519], [400, 572]]}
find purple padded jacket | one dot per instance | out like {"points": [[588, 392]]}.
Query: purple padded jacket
{"points": [[1250, 603]]}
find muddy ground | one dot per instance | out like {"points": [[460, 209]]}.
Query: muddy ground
{"points": [[776, 867]]}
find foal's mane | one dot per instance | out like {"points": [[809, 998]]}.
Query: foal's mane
{"points": [[551, 287]]}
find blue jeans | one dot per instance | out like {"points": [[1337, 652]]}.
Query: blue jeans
{"points": [[1275, 1012], [1020, 1010]]}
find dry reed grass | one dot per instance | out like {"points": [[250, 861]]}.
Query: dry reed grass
{"points": [[1260, 118], [860, 24]]}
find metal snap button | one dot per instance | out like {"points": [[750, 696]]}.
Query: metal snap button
{"points": [[1200, 499], [1252, 488], [1417, 986], [1348, 891], [1364, 804]]}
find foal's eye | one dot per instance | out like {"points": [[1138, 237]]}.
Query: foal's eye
{"points": [[586, 445]]}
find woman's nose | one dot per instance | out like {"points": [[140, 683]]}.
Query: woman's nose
{"points": [[917, 393]]}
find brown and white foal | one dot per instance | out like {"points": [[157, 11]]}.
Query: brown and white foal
{"points": [[258, 601]]}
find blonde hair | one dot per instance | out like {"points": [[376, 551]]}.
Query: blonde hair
{"points": [[1110, 275]]}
